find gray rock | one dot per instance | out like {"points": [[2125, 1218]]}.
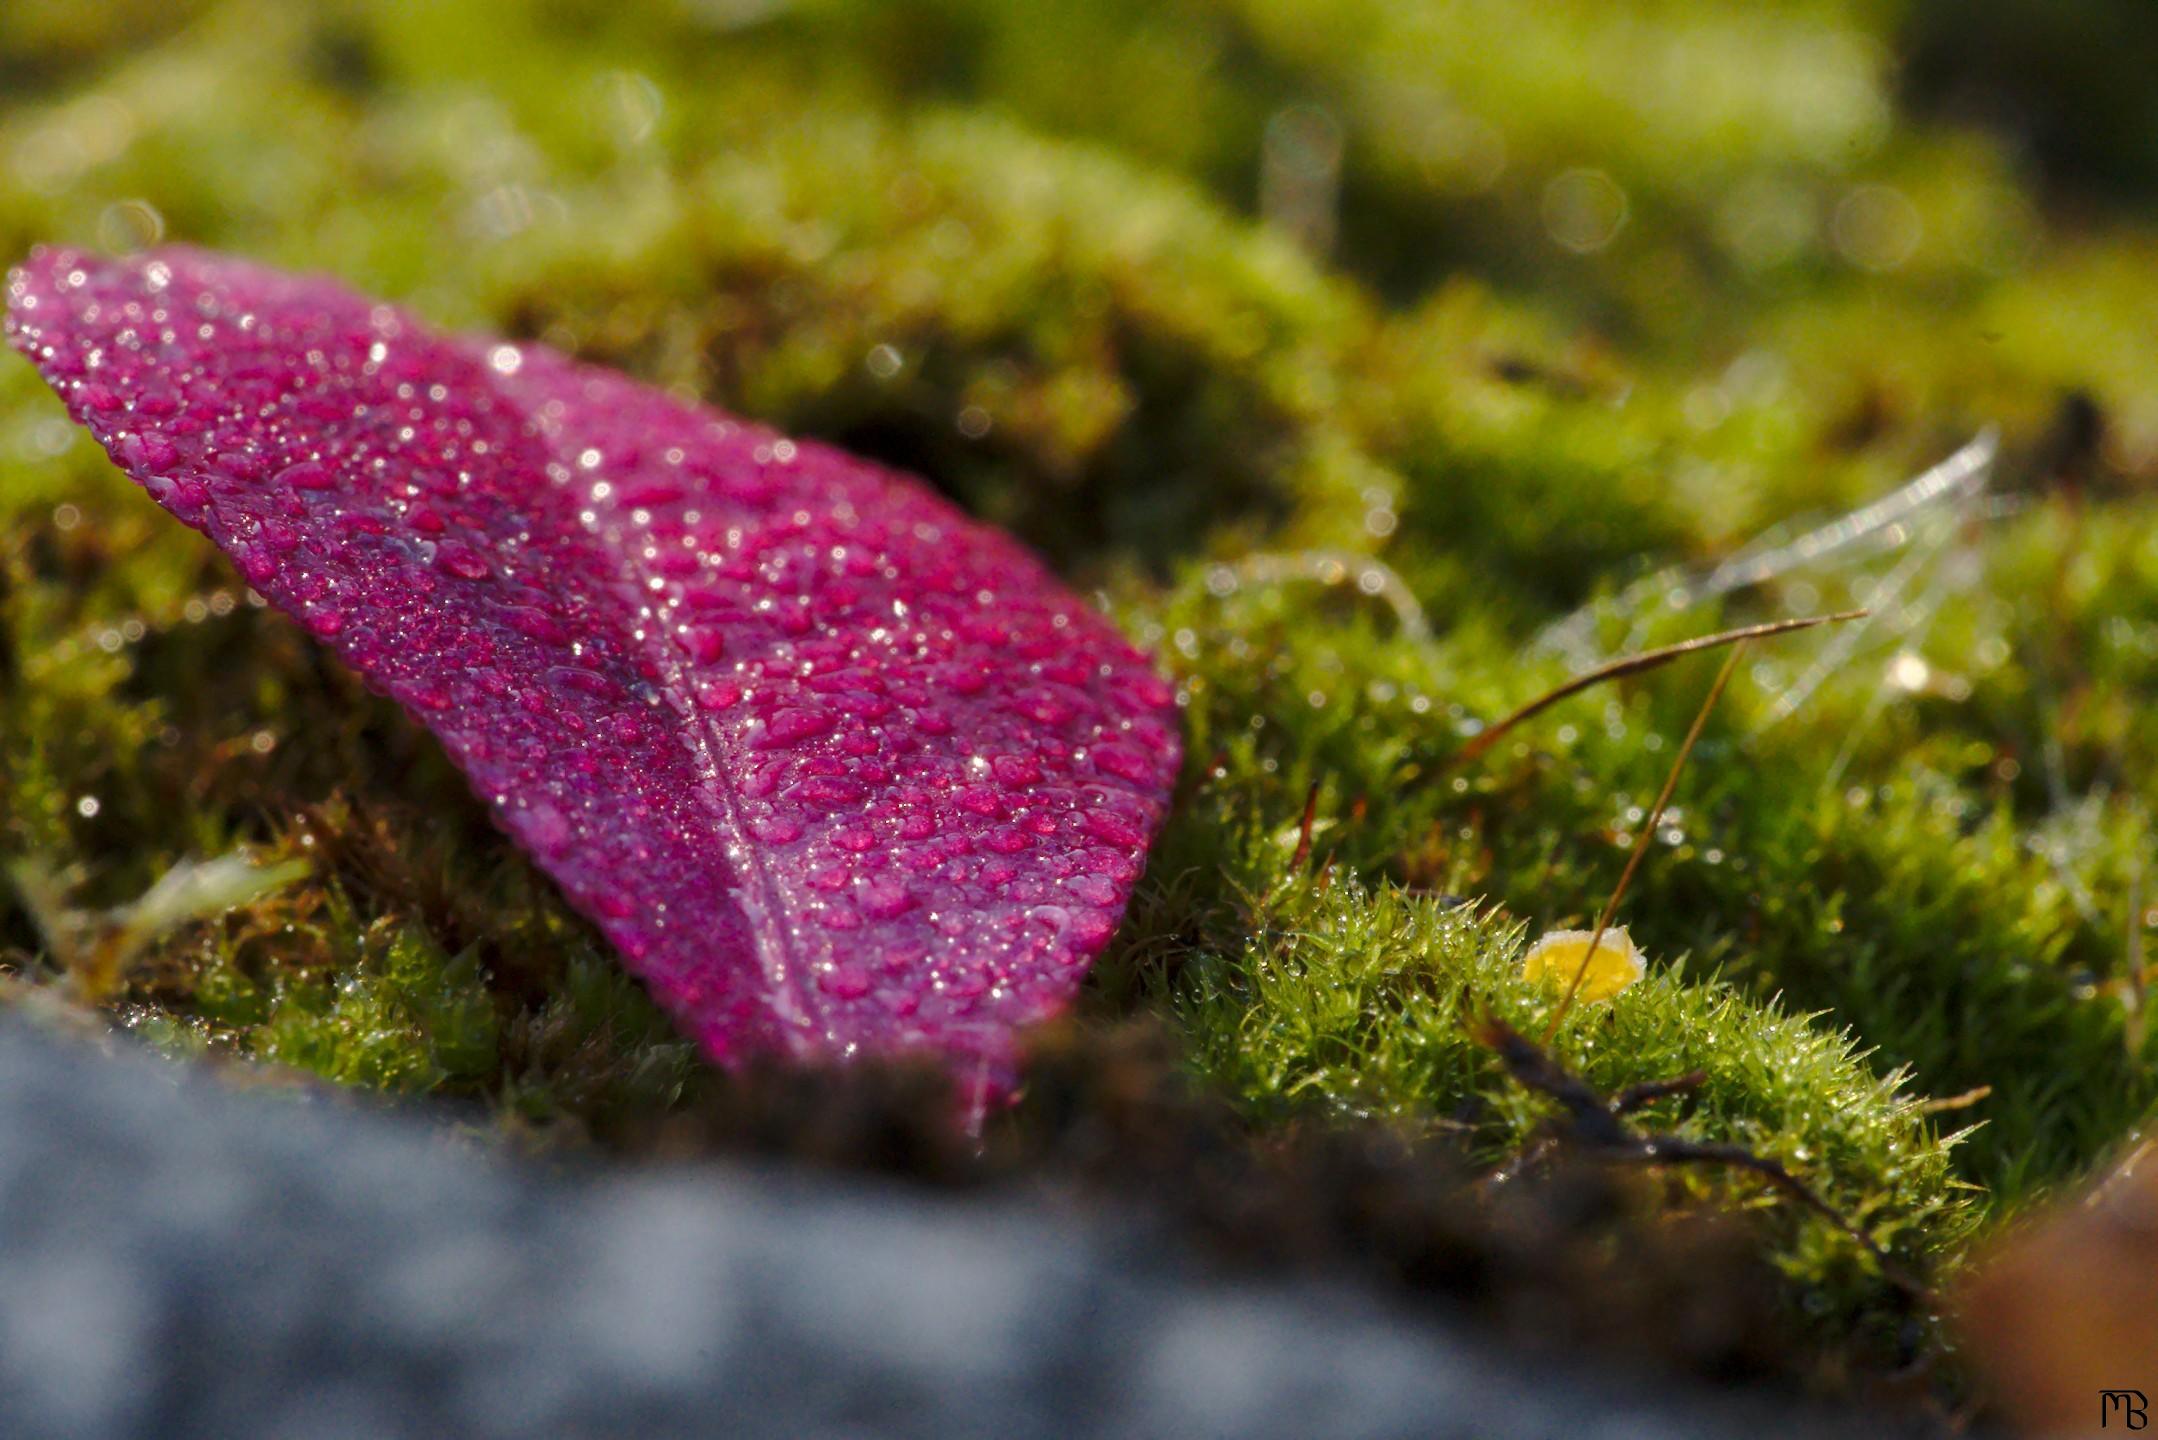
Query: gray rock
{"points": [[181, 1259]]}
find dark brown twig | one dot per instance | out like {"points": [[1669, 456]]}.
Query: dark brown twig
{"points": [[1648, 1092], [1598, 1125]]}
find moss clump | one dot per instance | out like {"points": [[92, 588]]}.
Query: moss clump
{"points": [[1363, 499]]}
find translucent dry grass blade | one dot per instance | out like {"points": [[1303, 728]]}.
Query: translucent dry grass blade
{"points": [[1882, 524]]}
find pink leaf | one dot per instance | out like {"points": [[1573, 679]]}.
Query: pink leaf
{"points": [[838, 769]]}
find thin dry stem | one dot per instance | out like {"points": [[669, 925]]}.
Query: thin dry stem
{"points": [[1950, 1103], [1304, 829], [1633, 665], [1648, 833]]}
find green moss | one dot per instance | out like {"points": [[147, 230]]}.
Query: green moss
{"points": [[1902, 862], [402, 1017]]}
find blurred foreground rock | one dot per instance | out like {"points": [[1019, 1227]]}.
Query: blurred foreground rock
{"points": [[180, 1259], [2063, 1316]]}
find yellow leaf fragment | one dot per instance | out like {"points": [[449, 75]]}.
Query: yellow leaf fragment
{"points": [[1553, 960]]}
